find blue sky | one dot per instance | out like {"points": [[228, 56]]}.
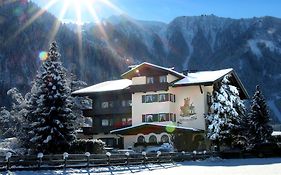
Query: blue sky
{"points": [[166, 10]]}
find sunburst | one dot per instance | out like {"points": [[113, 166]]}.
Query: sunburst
{"points": [[73, 7]]}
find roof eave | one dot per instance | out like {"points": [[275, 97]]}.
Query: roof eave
{"points": [[125, 75]]}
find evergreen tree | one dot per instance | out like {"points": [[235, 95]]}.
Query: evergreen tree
{"points": [[228, 111], [12, 121], [49, 107], [5, 121], [260, 130]]}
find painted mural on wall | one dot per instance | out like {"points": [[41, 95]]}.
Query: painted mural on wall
{"points": [[188, 110]]}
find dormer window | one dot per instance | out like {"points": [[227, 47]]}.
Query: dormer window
{"points": [[149, 80], [163, 79]]}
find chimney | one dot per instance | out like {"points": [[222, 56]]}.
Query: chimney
{"points": [[185, 72]]}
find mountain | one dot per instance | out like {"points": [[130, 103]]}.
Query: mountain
{"points": [[207, 42], [19, 51]]}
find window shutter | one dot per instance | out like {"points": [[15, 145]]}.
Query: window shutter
{"points": [[143, 99], [143, 118]]}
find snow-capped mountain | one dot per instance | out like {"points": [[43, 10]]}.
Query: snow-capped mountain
{"points": [[207, 42], [251, 46]]}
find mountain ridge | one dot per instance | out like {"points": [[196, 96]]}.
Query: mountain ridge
{"points": [[251, 46]]}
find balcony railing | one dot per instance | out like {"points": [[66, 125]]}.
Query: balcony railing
{"points": [[88, 130]]}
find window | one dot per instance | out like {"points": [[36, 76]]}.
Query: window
{"points": [[107, 122], [110, 104], [158, 98], [126, 103], [107, 104], [165, 139], [88, 122], [172, 117], [162, 117], [104, 122], [163, 79], [104, 105], [151, 98], [149, 80], [141, 139], [163, 97], [129, 121], [172, 98], [152, 139], [149, 118], [126, 121]]}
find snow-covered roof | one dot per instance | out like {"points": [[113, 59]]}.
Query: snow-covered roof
{"points": [[276, 133], [113, 85], [169, 70], [203, 77], [134, 128]]}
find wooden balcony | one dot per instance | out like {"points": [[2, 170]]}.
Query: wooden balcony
{"points": [[88, 130], [88, 113]]}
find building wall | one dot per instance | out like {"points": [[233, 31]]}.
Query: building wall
{"points": [[130, 140], [138, 80], [171, 78], [139, 108], [197, 98]]}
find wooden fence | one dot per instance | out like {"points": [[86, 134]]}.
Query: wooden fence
{"points": [[60, 161]]}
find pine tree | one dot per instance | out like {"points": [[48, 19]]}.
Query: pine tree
{"points": [[5, 121], [228, 111], [49, 107], [260, 130]]}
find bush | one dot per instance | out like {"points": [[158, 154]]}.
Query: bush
{"points": [[92, 146]]}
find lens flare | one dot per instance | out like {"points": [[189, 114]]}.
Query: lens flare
{"points": [[170, 128], [43, 56]]}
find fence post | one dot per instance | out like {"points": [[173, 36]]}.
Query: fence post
{"points": [[87, 154], [108, 154], [183, 156], [144, 156], [205, 156], [40, 156], [65, 156], [158, 155], [8, 156], [194, 155], [127, 155]]}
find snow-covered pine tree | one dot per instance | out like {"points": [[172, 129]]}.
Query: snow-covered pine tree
{"points": [[11, 122], [260, 131], [227, 112], [5, 121], [50, 111]]}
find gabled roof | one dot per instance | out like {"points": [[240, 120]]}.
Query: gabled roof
{"points": [[106, 86], [146, 128], [203, 77], [209, 78], [131, 73]]}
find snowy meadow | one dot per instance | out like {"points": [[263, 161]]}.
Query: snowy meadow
{"points": [[255, 166]]}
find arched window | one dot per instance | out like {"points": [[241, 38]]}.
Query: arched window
{"points": [[165, 139], [141, 139], [152, 139]]}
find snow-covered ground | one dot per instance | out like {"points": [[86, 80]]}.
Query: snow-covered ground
{"points": [[266, 166]]}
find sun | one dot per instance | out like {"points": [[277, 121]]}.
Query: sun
{"points": [[77, 9]]}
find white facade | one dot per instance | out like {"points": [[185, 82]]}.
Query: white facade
{"points": [[163, 96], [196, 94]]}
